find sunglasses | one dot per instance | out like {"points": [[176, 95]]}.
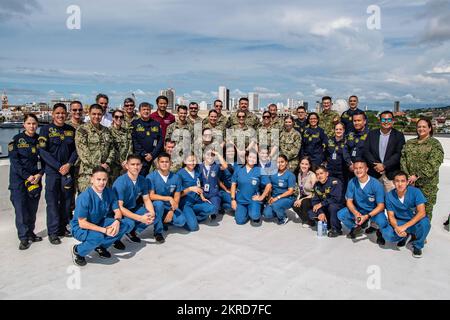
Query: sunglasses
{"points": [[119, 117], [241, 117], [193, 109], [77, 110], [386, 120], [266, 117], [129, 105]]}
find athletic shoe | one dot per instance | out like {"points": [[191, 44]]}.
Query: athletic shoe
{"points": [[103, 253], [77, 259], [34, 238], [370, 230], [355, 232], [403, 242], [213, 217], [282, 221]]}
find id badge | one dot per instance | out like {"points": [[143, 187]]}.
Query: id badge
{"points": [[206, 187], [354, 153], [334, 156], [199, 183], [155, 143]]}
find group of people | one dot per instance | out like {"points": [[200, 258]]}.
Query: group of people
{"points": [[133, 170]]}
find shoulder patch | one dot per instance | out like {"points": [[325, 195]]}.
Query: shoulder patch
{"points": [[10, 146]]}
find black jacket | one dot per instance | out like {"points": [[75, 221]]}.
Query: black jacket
{"points": [[393, 152]]}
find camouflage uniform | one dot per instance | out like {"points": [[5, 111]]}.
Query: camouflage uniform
{"points": [[123, 145], [178, 125], [218, 131], [423, 160], [265, 136], [221, 122], [290, 143], [278, 123], [94, 147], [127, 120], [193, 122], [251, 120], [75, 125], [327, 121], [247, 133]]}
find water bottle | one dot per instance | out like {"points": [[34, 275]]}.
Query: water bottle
{"points": [[319, 228], [324, 229]]}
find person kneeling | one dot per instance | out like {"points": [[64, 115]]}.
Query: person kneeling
{"points": [[327, 201], [93, 223], [134, 202], [165, 190], [365, 201], [406, 213]]}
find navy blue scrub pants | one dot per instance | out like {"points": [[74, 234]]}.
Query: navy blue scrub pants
{"points": [[59, 202], [330, 212], [26, 209]]}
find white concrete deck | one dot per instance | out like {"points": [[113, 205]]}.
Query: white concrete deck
{"points": [[226, 261]]}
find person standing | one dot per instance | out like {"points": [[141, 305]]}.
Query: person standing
{"points": [[95, 147], [251, 120], [221, 118], [328, 117], [147, 136], [347, 116], [275, 121], [25, 173], [122, 144], [161, 115], [103, 100], [193, 117], [179, 127], [129, 112], [76, 114], [421, 159], [302, 120], [314, 141], [290, 143], [356, 139], [58, 152], [383, 150], [337, 156]]}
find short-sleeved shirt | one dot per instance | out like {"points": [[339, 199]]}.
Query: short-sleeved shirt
{"points": [[163, 188], [210, 179], [188, 181], [92, 208], [407, 209], [281, 183], [130, 192], [368, 198], [248, 183]]}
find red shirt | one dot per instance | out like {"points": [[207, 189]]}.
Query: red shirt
{"points": [[164, 122]]}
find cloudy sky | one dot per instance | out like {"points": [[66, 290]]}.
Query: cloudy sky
{"points": [[281, 49]]}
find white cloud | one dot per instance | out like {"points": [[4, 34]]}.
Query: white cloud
{"points": [[319, 92], [325, 29]]}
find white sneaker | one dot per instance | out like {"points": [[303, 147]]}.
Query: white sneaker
{"points": [[305, 225]]}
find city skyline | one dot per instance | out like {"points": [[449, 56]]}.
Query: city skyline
{"points": [[286, 50]]}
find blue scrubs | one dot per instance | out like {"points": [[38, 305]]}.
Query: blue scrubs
{"points": [[365, 200], [130, 193], [225, 176], [99, 212], [404, 212], [248, 185], [280, 184], [191, 202], [56, 148], [166, 189], [24, 158], [210, 184]]}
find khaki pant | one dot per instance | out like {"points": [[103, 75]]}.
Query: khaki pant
{"points": [[387, 184]]}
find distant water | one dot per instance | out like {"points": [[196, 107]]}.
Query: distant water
{"points": [[6, 134]]}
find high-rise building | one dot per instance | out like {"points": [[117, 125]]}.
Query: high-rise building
{"points": [[318, 106], [203, 106], [224, 96], [170, 94], [233, 104], [305, 104], [253, 101], [4, 101], [182, 101], [397, 106]]}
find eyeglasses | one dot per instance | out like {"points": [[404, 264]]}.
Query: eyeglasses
{"points": [[241, 117], [119, 117], [386, 120], [193, 109], [129, 105], [77, 110]]}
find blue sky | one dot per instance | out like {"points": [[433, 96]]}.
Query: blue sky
{"points": [[281, 49]]}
